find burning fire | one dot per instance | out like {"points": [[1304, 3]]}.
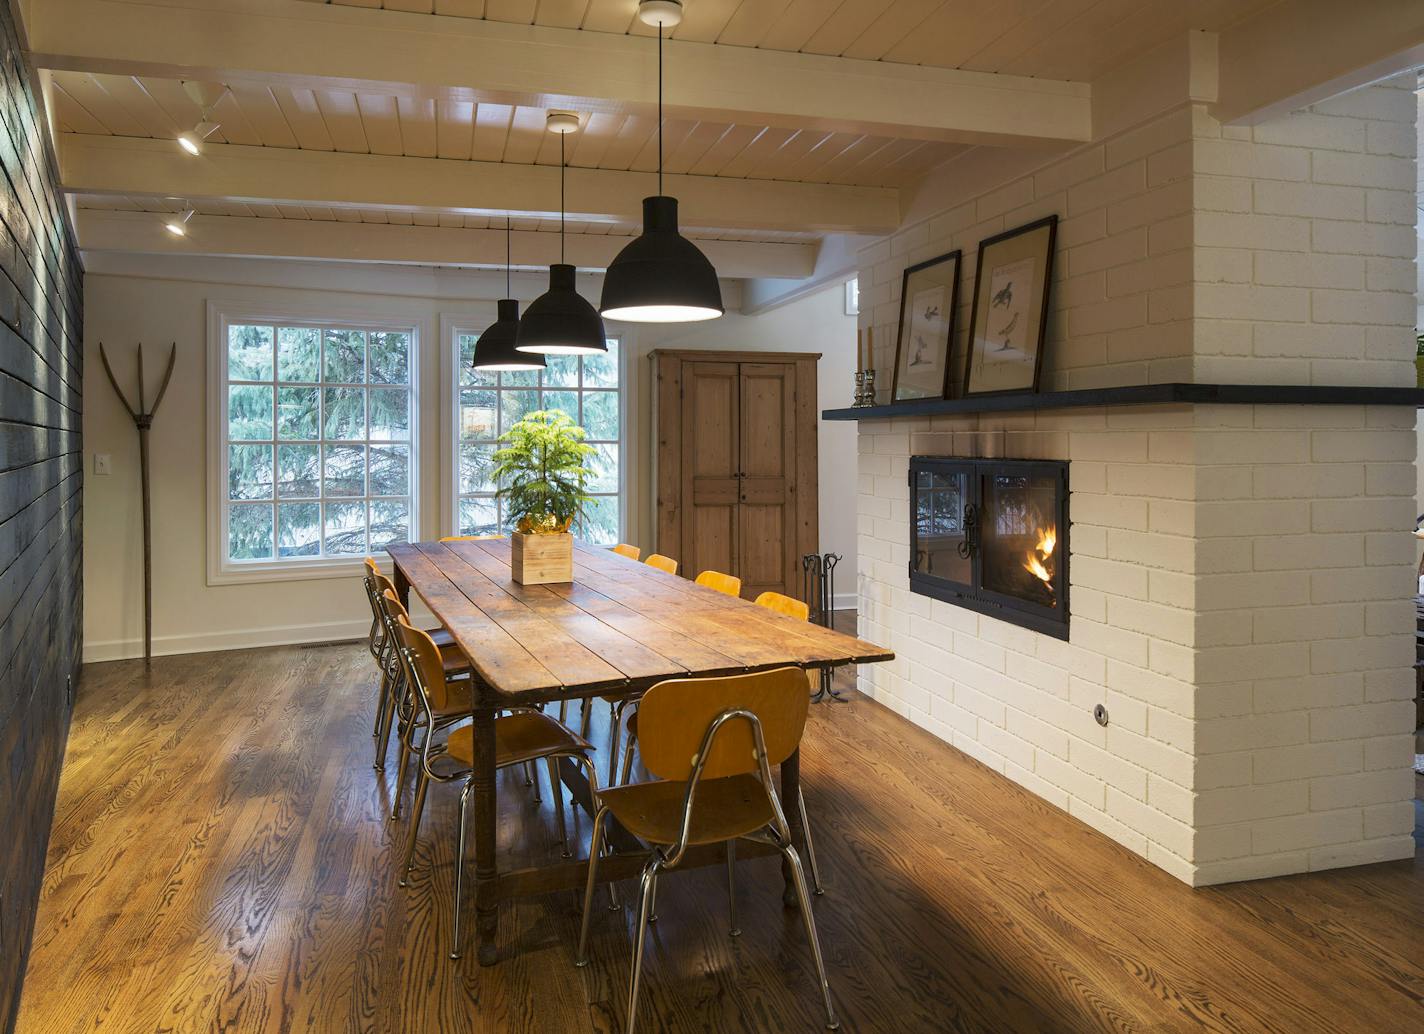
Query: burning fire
{"points": [[1047, 542]]}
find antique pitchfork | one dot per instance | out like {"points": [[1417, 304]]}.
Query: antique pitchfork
{"points": [[143, 420]]}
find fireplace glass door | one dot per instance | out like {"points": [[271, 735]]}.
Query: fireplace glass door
{"points": [[1019, 538], [942, 498]]}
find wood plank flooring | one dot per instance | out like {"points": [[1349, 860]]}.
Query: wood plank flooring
{"points": [[221, 860]]}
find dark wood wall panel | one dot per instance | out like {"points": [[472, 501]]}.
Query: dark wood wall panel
{"points": [[41, 497]]}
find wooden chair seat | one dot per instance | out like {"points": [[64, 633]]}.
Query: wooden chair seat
{"points": [[519, 737], [725, 809]]}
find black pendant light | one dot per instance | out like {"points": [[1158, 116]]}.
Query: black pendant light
{"points": [[561, 321], [661, 277], [495, 349]]}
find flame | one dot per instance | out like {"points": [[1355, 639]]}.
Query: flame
{"points": [[1047, 543], [1047, 540]]}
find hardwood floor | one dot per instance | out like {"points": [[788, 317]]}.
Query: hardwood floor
{"points": [[221, 860]]}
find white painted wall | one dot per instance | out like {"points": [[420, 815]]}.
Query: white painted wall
{"points": [[816, 323], [158, 301]]}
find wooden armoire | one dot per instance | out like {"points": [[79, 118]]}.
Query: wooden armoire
{"points": [[734, 468]]}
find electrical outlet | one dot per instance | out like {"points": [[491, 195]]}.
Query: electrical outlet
{"points": [[101, 464]]}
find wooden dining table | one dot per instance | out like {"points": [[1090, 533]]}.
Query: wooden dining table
{"points": [[617, 629]]}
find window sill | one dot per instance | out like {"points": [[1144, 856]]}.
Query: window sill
{"points": [[259, 572]]}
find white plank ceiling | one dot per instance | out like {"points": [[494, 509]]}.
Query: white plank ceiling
{"points": [[1051, 39]]}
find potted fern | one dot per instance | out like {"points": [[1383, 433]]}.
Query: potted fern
{"points": [[542, 471]]}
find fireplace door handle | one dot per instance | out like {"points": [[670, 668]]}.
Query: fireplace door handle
{"points": [[970, 545]]}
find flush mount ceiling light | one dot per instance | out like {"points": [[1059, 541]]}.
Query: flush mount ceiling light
{"points": [[560, 321], [177, 224], [495, 349], [661, 276], [666, 13], [205, 96]]}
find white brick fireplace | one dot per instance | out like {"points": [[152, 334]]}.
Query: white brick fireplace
{"points": [[1241, 575]]}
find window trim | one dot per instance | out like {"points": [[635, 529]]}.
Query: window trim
{"points": [[221, 314], [451, 327]]}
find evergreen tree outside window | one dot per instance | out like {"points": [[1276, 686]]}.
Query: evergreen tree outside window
{"points": [[587, 388], [317, 426]]}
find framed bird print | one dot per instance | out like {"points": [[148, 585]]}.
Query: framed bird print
{"points": [[1011, 283], [929, 296]]}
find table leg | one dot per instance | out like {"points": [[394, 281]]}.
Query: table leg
{"points": [[486, 810], [402, 584], [790, 791]]}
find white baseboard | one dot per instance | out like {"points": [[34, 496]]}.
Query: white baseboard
{"points": [[237, 639], [846, 601]]}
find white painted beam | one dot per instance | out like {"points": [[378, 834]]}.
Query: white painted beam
{"points": [[157, 168], [1296, 53], [238, 237], [420, 55]]}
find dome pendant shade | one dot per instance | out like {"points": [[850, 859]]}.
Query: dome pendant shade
{"points": [[495, 348], [561, 321], [661, 276]]}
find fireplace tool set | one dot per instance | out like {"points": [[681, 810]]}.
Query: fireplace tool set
{"points": [[818, 589]]}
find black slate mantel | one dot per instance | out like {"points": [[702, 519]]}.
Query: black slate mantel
{"points": [[1143, 395]]}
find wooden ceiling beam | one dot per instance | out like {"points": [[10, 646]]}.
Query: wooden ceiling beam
{"points": [[429, 56], [157, 168], [245, 237]]}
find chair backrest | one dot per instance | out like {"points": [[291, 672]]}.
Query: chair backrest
{"points": [[428, 664], [662, 563], [675, 716], [792, 608], [727, 583], [469, 538], [631, 552], [375, 583]]}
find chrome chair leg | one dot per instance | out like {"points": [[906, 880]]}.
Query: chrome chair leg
{"points": [[422, 784], [381, 695], [649, 884], [615, 722], [653, 903], [384, 721], [799, 878], [459, 871], [736, 931], [595, 847], [810, 844], [399, 789], [628, 760], [554, 784]]}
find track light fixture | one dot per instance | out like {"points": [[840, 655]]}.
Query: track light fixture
{"points": [[177, 223], [205, 96], [661, 276], [560, 321]]}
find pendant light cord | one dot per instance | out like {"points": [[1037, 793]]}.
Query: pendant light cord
{"points": [[561, 197], [660, 108], [508, 253]]}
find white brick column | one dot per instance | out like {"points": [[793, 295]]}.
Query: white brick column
{"points": [[1241, 575]]}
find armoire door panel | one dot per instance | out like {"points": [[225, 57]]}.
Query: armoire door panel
{"points": [[768, 464], [710, 465]]}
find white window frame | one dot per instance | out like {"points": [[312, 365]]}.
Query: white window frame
{"points": [[221, 315], [451, 328]]}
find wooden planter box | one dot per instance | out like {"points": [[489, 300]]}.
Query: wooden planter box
{"points": [[542, 559]]}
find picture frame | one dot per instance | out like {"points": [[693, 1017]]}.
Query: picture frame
{"points": [[929, 300], [1012, 278]]}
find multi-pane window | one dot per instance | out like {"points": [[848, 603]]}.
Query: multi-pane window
{"points": [[317, 453], [587, 388]]}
